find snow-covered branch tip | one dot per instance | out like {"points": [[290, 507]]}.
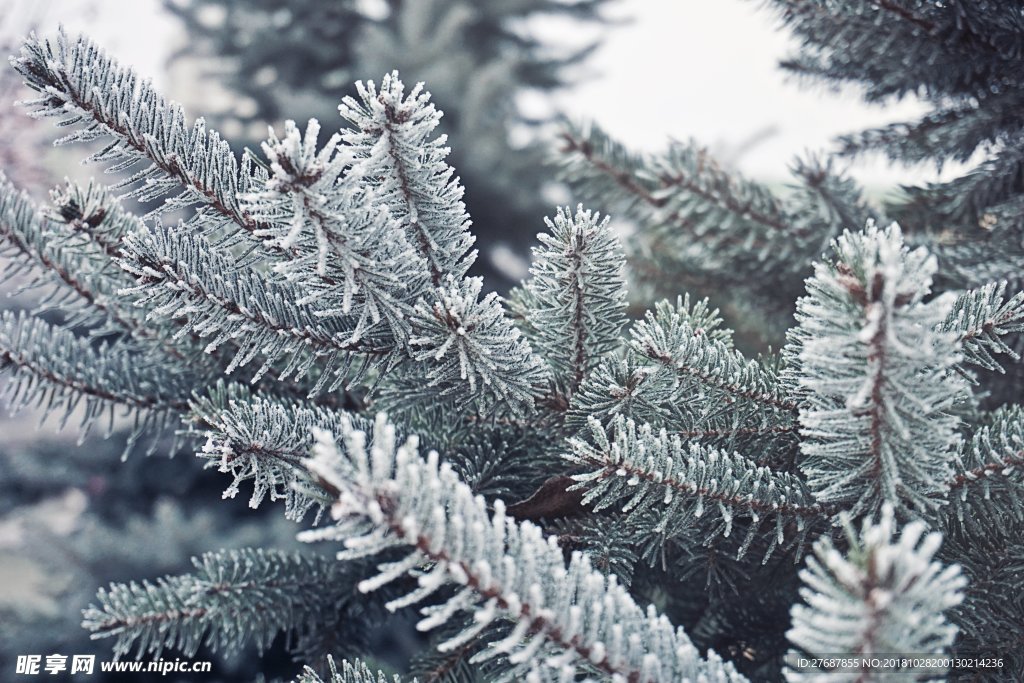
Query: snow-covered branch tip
{"points": [[350, 672], [470, 349], [573, 307], [982, 318], [704, 362], [343, 244], [263, 439], [887, 595], [878, 423], [989, 469], [392, 139]]}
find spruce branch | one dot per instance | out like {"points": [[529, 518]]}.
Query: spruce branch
{"points": [[471, 349], [628, 386], [965, 201], [638, 470], [987, 483], [253, 437], [709, 223], [395, 152], [822, 27], [179, 275], [566, 617], [93, 214], [53, 367], [233, 597], [635, 386], [392, 163], [350, 672], [666, 338], [344, 245], [473, 352], [574, 304], [877, 422], [654, 184], [981, 318], [75, 247], [951, 133], [988, 549], [707, 386], [55, 254], [80, 84], [683, 193], [960, 58], [457, 665], [824, 200], [657, 466], [888, 595], [605, 539]]}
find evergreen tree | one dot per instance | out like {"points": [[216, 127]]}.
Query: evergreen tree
{"points": [[540, 495]]}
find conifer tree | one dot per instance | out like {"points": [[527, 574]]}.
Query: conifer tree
{"points": [[547, 490]]}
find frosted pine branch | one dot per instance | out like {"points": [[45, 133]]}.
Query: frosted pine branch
{"points": [[674, 191], [712, 221], [473, 352], [823, 201], [468, 343], [234, 597], [887, 595], [84, 87], [53, 367], [627, 386], [394, 148], [344, 245], [350, 672], [94, 215], [988, 475], [567, 617], [666, 338], [878, 423], [58, 255], [981, 318], [69, 252], [332, 279], [710, 386], [263, 440], [179, 275], [330, 239], [637, 386], [574, 304], [640, 470]]}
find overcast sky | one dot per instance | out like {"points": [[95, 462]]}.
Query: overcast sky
{"points": [[709, 70], [682, 68]]}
